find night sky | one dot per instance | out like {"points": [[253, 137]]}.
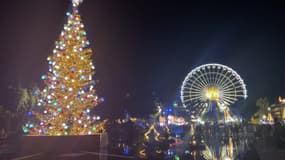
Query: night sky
{"points": [[145, 48]]}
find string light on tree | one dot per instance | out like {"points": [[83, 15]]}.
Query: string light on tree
{"points": [[66, 102]]}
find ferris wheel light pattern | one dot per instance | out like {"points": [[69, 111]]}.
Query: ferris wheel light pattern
{"points": [[211, 82]]}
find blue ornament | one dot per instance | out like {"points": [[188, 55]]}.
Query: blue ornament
{"points": [[30, 113], [85, 88], [43, 77], [72, 69], [36, 93], [31, 125]]}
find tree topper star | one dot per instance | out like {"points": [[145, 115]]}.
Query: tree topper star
{"points": [[76, 2]]}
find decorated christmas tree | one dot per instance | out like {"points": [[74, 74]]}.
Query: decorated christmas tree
{"points": [[66, 103]]}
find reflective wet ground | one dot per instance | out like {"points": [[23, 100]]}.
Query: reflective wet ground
{"points": [[194, 142], [234, 142]]}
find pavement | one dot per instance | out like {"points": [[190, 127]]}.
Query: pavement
{"points": [[269, 152], [83, 155]]}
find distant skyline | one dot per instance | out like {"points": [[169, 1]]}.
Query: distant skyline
{"points": [[144, 48]]}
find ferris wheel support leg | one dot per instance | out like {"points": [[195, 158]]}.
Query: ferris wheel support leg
{"points": [[215, 111], [227, 116]]}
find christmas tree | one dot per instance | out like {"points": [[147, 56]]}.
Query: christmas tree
{"points": [[65, 105]]}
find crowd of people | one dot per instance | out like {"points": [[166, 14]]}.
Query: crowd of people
{"points": [[250, 140]]}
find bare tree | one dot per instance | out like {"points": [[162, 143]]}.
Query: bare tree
{"points": [[27, 99], [263, 104]]}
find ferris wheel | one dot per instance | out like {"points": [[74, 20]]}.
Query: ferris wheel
{"points": [[212, 83]]}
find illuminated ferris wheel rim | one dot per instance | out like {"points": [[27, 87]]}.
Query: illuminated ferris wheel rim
{"points": [[212, 76]]}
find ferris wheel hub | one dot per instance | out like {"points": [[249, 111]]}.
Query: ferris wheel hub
{"points": [[212, 94]]}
